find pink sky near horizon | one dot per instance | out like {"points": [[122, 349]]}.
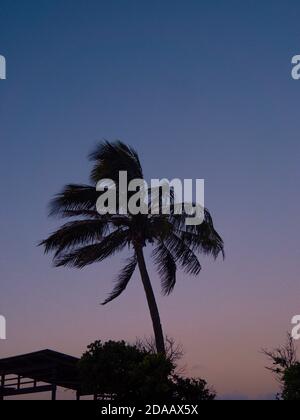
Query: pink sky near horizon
{"points": [[222, 337]]}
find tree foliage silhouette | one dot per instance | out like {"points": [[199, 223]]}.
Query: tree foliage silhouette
{"points": [[286, 368], [122, 372], [90, 237]]}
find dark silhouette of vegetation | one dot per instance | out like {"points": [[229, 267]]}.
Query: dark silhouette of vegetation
{"points": [[122, 372], [286, 368], [91, 237], [173, 351]]}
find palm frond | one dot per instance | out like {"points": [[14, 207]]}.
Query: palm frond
{"points": [[111, 158], [159, 226], [75, 233], [166, 267], [74, 197], [81, 257], [81, 213], [201, 238], [183, 254], [122, 280]]}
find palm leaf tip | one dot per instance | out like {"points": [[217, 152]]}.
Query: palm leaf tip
{"points": [[43, 244], [122, 280]]}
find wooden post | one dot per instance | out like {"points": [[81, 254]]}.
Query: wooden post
{"points": [[53, 394], [77, 395], [2, 387], [54, 387]]}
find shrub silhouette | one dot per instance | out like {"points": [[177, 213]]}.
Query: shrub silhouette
{"points": [[123, 372]]}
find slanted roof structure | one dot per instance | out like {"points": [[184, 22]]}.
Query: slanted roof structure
{"points": [[40, 371]]}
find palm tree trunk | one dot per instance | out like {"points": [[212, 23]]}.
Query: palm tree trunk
{"points": [[158, 332]]}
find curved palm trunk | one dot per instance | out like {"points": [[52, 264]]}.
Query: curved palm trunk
{"points": [[158, 332]]}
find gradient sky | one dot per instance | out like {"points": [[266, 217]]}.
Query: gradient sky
{"points": [[202, 89]]}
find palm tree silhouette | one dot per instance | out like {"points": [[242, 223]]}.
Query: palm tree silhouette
{"points": [[90, 237]]}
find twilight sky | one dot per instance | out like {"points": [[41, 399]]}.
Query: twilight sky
{"points": [[202, 89]]}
